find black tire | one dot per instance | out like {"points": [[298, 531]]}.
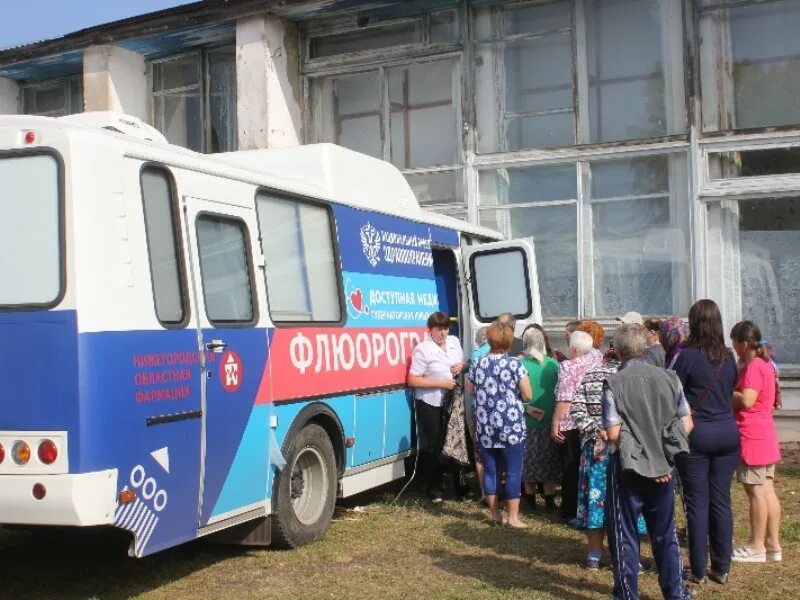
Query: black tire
{"points": [[304, 492]]}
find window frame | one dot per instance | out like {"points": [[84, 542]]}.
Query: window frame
{"points": [[251, 279], [733, 310], [177, 240], [334, 230], [204, 84], [696, 63], [587, 296], [66, 83], [381, 67], [474, 284], [62, 245]]}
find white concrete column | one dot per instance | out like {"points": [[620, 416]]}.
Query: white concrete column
{"points": [[9, 97], [115, 79], [268, 83]]}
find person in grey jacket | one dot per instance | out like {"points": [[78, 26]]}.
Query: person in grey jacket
{"points": [[646, 416]]}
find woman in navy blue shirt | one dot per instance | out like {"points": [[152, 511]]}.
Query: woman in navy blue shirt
{"points": [[708, 373]]}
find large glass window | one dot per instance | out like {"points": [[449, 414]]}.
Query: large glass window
{"points": [[194, 99], [753, 266], [225, 270], [639, 242], [626, 54], [55, 98], [746, 49], [163, 244], [297, 242], [556, 73], [627, 228], [30, 231], [539, 202], [408, 115]]}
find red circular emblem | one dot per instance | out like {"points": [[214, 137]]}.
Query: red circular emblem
{"points": [[231, 371]]}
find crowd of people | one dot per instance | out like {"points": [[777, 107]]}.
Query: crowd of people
{"points": [[667, 409]]}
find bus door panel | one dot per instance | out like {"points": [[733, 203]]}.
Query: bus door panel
{"points": [[501, 278], [234, 447]]}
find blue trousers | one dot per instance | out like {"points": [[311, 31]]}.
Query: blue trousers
{"points": [[627, 495], [511, 458], [706, 474]]}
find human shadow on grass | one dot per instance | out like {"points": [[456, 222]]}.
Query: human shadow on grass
{"points": [[529, 543], [510, 573], [73, 564]]}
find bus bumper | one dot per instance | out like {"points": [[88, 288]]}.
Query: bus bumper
{"points": [[71, 499]]}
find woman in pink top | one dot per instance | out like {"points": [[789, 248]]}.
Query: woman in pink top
{"points": [[754, 403]]}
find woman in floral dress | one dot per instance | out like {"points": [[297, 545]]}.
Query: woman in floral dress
{"points": [[500, 383]]}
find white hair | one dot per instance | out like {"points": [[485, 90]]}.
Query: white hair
{"points": [[581, 342], [480, 335]]}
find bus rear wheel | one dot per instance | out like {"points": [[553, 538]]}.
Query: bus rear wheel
{"points": [[305, 490]]}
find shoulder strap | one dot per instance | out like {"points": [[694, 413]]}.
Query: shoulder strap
{"points": [[699, 402]]}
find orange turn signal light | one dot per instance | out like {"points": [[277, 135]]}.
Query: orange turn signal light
{"points": [[21, 453], [127, 496]]}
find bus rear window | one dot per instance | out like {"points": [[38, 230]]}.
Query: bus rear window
{"points": [[30, 240]]}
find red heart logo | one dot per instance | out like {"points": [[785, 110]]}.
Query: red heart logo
{"points": [[355, 299]]}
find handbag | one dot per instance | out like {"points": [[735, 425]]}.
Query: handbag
{"points": [[455, 439]]}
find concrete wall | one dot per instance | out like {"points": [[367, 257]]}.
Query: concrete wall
{"points": [[9, 97], [115, 79], [268, 83]]}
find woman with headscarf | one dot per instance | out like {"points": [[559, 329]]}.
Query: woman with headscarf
{"points": [[541, 463], [674, 334]]}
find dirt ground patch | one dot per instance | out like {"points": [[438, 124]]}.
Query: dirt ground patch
{"points": [[406, 550]]}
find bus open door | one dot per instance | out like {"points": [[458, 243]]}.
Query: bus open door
{"points": [[501, 277]]}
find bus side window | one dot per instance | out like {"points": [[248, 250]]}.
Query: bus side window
{"points": [[225, 270], [164, 247], [297, 240]]}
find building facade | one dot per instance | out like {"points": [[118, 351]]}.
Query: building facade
{"points": [[650, 147]]}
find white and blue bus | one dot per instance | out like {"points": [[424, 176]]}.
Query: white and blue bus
{"points": [[216, 344]]}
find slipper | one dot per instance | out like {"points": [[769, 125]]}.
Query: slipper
{"points": [[776, 556], [745, 554]]}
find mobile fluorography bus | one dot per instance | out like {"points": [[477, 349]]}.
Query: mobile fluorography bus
{"points": [[196, 345]]}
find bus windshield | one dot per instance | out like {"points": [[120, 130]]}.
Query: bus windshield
{"points": [[30, 240]]}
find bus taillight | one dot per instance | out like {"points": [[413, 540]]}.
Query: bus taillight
{"points": [[48, 452], [2, 453], [21, 453]]}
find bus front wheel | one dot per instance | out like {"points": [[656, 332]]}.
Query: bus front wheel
{"points": [[305, 490]]}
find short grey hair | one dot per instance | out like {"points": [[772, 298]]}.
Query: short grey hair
{"points": [[581, 342], [480, 335], [508, 319], [533, 344], [630, 341]]}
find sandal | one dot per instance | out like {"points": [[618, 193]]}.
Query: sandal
{"points": [[746, 554], [776, 556]]}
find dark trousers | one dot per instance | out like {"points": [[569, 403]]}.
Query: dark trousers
{"points": [[509, 458], [706, 474], [430, 432], [570, 454], [627, 495]]}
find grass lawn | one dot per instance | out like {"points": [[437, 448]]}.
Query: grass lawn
{"points": [[373, 550]]}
